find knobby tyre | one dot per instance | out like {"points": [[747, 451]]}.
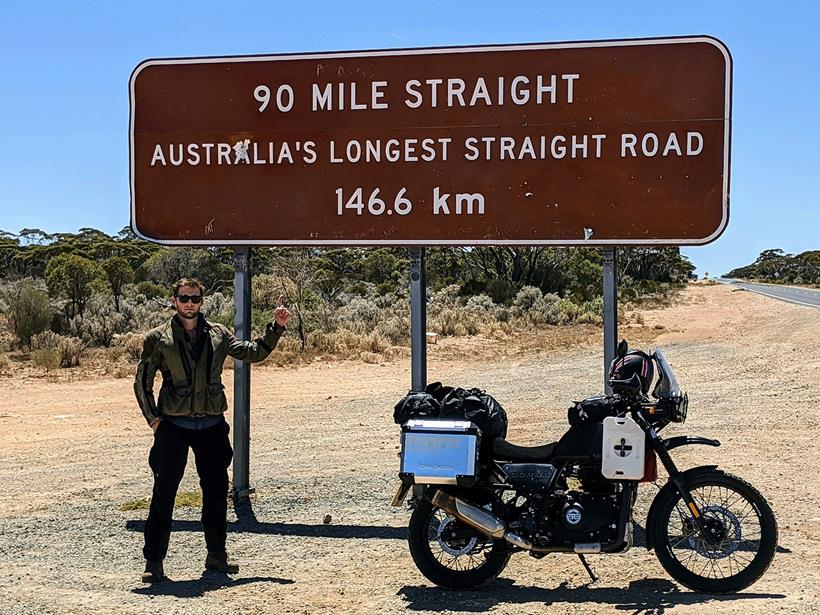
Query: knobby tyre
{"points": [[450, 554], [738, 545]]}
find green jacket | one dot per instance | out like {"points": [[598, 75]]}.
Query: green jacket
{"points": [[192, 372]]}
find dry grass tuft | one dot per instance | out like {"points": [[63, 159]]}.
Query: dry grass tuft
{"points": [[185, 499]]}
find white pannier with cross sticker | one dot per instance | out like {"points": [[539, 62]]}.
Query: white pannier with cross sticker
{"points": [[624, 444]]}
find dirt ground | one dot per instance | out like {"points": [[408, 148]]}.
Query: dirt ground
{"points": [[323, 443]]}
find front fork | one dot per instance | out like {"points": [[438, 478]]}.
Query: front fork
{"points": [[675, 476]]}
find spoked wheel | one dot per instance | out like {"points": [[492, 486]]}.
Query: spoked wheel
{"points": [[451, 554], [735, 546]]}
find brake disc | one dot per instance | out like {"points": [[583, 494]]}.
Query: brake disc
{"points": [[731, 540], [454, 549]]}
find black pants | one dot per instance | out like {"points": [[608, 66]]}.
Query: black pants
{"points": [[169, 454]]}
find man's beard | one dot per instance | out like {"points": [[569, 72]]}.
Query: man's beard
{"points": [[186, 317]]}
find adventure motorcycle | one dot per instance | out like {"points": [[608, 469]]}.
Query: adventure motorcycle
{"points": [[479, 502]]}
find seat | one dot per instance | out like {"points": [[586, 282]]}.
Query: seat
{"points": [[507, 451]]}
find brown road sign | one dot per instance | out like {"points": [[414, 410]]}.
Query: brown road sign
{"points": [[596, 143]]}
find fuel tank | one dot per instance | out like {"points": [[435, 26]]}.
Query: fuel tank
{"points": [[581, 443]]}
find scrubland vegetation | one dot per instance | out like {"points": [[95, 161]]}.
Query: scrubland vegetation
{"points": [[65, 296], [777, 266]]}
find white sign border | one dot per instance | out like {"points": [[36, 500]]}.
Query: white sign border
{"points": [[727, 121]]}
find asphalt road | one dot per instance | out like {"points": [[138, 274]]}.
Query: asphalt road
{"points": [[801, 296]]}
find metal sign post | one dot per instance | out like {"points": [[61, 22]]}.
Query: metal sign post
{"points": [[610, 276], [418, 320], [242, 377]]}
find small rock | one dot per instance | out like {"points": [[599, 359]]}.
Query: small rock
{"points": [[327, 519]]}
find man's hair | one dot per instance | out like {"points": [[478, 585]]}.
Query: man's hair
{"points": [[192, 282]]}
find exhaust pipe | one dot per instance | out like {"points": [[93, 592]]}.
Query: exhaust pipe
{"points": [[480, 519]]}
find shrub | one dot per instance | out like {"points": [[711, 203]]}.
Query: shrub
{"points": [[568, 311], [446, 297], [527, 297], [395, 329], [217, 303], [46, 358], [143, 313], [151, 290], [481, 304], [28, 310], [99, 323], [55, 350], [362, 314], [545, 310], [455, 322], [131, 343]]}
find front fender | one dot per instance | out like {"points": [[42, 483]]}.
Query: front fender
{"points": [[687, 440], [669, 486]]}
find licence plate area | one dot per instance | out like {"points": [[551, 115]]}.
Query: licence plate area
{"points": [[439, 452]]}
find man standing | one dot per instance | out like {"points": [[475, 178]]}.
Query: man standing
{"points": [[189, 352]]}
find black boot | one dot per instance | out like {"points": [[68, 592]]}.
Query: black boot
{"points": [[154, 572], [221, 563]]}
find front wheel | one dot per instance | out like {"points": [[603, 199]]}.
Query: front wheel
{"points": [[736, 545], [450, 553]]}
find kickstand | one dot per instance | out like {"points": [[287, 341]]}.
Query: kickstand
{"points": [[587, 568]]}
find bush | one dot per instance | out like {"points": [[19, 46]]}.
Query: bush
{"points": [[527, 297], [545, 310], [395, 329], [27, 310], [568, 311], [361, 314], [142, 313], [100, 323], [151, 290], [131, 343], [481, 304], [455, 322], [52, 350], [46, 358]]}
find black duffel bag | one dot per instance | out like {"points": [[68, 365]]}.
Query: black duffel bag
{"points": [[416, 405], [476, 406], [594, 409]]}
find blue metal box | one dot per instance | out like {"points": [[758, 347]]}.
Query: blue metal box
{"points": [[439, 452]]}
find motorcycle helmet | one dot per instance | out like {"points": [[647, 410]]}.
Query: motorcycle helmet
{"points": [[631, 363]]}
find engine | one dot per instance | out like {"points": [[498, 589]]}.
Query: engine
{"points": [[582, 508]]}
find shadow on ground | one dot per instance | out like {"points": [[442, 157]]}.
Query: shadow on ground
{"points": [[290, 529], [247, 522], [196, 588], [655, 596]]}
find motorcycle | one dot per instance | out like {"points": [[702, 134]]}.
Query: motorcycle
{"points": [[478, 503]]}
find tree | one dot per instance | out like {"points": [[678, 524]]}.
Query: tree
{"points": [[74, 277], [296, 270], [28, 310], [168, 265], [119, 273]]}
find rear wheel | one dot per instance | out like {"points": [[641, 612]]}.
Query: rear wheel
{"points": [[738, 539], [450, 553]]}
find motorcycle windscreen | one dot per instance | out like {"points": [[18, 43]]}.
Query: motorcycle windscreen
{"points": [[667, 385]]}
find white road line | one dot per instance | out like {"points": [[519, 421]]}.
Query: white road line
{"points": [[760, 292]]}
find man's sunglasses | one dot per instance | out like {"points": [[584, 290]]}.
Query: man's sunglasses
{"points": [[192, 298]]}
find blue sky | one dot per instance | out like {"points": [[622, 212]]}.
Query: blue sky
{"points": [[64, 69]]}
